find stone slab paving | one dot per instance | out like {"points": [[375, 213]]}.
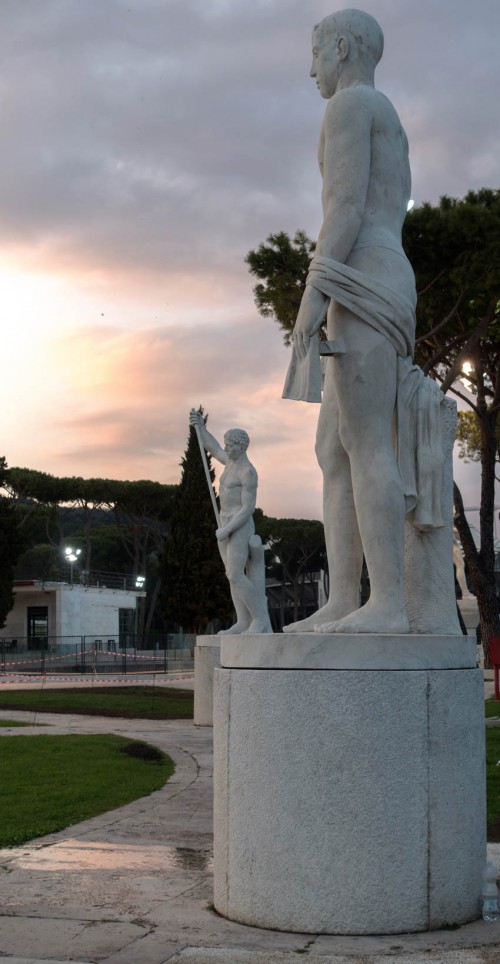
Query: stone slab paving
{"points": [[134, 886]]}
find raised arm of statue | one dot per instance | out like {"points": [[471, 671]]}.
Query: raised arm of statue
{"points": [[211, 444]]}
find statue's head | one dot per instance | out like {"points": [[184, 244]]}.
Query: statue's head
{"points": [[348, 44], [236, 441]]}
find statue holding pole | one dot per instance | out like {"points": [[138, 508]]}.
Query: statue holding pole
{"points": [[241, 550]]}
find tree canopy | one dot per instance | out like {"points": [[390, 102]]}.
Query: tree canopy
{"points": [[140, 510], [295, 551], [11, 546], [454, 248], [282, 264], [455, 251], [121, 526], [469, 437]]}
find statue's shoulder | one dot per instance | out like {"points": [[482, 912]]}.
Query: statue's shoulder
{"points": [[249, 473], [349, 102], [362, 105], [347, 96]]}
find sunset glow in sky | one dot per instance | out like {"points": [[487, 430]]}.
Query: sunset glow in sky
{"points": [[147, 146]]}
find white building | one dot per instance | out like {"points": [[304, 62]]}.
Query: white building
{"points": [[54, 611]]}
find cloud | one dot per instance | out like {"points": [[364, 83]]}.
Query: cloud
{"points": [[131, 392], [159, 137], [147, 146]]}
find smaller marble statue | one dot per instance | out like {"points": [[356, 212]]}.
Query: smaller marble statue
{"points": [[241, 550]]}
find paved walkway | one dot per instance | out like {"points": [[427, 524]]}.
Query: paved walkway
{"points": [[134, 886]]}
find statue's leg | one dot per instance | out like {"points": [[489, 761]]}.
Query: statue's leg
{"points": [[242, 588], [256, 572], [243, 616], [343, 543], [366, 384]]}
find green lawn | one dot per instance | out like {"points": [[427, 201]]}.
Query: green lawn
{"points": [[48, 782], [13, 723], [492, 708], [493, 782], [133, 702]]}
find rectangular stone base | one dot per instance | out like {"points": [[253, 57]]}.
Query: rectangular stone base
{"points": [[206, 658]]}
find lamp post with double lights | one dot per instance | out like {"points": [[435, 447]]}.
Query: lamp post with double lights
{"points": [[71, 556], [140, 585]]}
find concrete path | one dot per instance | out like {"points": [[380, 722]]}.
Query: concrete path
{"points": [[134, 886]]}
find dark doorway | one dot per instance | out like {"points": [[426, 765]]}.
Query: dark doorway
{"points": [[38, 627]]}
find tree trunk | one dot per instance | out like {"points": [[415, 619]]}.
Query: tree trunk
{"points": [[484, 589], [152, 608], [296, 598], [487, 597]]}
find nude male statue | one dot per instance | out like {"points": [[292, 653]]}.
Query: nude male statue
{"points": [[363, 159], [240, 548]]}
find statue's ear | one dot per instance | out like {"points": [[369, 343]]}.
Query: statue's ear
{"points": [[342, 48]]}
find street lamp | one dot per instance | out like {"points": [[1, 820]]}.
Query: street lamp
{"points": [[140, 585], [71, 557]]}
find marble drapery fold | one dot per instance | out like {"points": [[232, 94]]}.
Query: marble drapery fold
{"points": [[420, 453]]}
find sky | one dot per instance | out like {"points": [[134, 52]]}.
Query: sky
{"points": [[147, 146]]}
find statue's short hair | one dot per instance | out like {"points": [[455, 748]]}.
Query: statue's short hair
{"points": [[362, 29], [239, 437]]}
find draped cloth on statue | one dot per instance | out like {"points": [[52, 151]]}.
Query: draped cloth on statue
{"points": [[419, 399]]}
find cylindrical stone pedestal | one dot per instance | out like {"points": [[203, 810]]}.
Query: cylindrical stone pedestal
{"points": [[349, 783], [206, 658]]}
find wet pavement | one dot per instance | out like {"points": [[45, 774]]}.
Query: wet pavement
{"points": [[134, 886]]}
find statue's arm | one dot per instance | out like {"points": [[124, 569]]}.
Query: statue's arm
{"points": [[211, 444], [248, 501], [346, 170]]}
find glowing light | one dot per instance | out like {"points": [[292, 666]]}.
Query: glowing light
{"points": [[467, 369], [71, 557], [411, 203]]}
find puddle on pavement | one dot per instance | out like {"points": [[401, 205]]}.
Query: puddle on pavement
{"points": [[73, 855], [192, 859]]}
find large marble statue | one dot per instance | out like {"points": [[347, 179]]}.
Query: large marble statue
{"points": [[362, 279], [241, 550]]}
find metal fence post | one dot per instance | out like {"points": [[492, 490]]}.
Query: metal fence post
{"points": [[82, 655]]}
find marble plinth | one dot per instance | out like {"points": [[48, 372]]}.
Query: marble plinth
{"points": [[206, 658], [348, 801], [349, 652]]}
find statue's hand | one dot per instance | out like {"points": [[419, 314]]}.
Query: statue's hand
{"points": [[195, 418], [312, 310], [221, 534]]}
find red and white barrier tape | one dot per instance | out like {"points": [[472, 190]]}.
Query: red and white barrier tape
{"points": [[118, 654], [88, 678]]}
